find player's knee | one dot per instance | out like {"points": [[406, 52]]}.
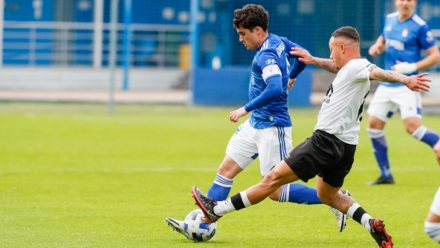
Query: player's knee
{"points": [[272, 180], [432, 229]]}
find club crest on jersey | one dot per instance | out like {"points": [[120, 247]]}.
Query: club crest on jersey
{"points": [[405, 33]]}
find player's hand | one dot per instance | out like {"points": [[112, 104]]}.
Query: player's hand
{"points": [[304, 55], [417, 82], [375, 50], [291, 83], [235, 115], [405, 68]]}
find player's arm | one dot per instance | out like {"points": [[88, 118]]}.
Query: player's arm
{"points": [[297, 66], [432, 58], [306, 58], [273, 78], [415, 82], [427, 42], [378, 47]]}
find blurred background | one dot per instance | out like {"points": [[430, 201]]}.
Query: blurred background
{"points": [[170, 51]]}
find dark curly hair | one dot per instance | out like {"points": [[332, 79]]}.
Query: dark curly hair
{"points": [[251, 16]]}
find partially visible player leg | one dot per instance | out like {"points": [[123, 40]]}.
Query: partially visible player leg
{"points": [[432, 223], [377, 135], [411, 109], [424, 134]]}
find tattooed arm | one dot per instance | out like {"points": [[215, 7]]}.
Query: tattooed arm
{"points": [[306, 58], [415, 82]]}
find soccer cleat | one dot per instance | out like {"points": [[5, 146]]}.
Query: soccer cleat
{"points": [[382, 180], [178, 226], [383, 239], [205, 204], [341, 218]]}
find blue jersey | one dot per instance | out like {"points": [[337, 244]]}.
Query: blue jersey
{"points": [[405, 40], [270, 74]]}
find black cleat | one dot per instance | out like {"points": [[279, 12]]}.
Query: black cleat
{"points": [[383, 180], [205, 204], [178, 226], [383, 239]]}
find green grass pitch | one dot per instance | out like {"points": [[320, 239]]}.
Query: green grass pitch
{"points": [[72, 176]]}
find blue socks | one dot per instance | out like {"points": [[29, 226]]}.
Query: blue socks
{"points": [[426, 135], [220, 188], [380, 151], [299, 193]]}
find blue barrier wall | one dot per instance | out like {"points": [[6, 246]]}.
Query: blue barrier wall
{"points": [[229, 86]]}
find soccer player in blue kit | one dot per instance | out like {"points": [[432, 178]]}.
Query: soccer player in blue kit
{"points": [[403, 38], [267, 133]]}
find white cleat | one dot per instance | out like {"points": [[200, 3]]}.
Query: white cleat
{"points": [[178, 226]]}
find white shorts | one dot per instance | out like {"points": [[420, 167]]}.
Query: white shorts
{"points": [[269, 144], [435, 206], [387, 100]]}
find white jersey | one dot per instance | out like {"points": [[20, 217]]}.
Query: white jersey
{"points": [[341, 110]]}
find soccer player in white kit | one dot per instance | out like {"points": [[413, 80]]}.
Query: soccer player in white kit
{"points": [[432, 223], [403, 38], [329, 152]]}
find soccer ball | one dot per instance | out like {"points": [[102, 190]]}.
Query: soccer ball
{"points": [[196, 227]]}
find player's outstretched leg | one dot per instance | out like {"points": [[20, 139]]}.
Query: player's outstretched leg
{"points": [[177, 226], [206, 205], [383, 239]]}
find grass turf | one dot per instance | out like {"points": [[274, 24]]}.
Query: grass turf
{"points": [[72, 176]]}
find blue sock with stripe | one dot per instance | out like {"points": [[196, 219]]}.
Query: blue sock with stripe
{"points": [[220, 188], [299, 193], [426, 135], [380, 148]]}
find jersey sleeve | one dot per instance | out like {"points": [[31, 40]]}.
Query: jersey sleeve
{"points": [[425, 37], [364, 70], [297, 66], [268, 63], [271, 73]]}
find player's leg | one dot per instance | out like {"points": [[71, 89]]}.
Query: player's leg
{"points": [[413, 126], [347, 204], [213, 210], [240, 152], [432, 223], [379, 112], [273, 145], [411, 108]]}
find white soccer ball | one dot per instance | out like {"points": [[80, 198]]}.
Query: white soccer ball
{"points": [[196, 227]]}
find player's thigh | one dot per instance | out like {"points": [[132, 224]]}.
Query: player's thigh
{"points": [[273, 145], [409, 102], [242, 147], [381, 105]]}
